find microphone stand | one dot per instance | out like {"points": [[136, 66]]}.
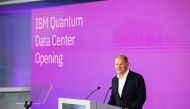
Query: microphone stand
{"points": [[92, 93], [107, 94]]}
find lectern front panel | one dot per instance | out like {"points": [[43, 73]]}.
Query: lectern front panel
{"points": [[65, 103], [73, 106]]}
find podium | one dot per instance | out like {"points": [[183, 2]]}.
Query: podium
{"points": [[66, 103]]}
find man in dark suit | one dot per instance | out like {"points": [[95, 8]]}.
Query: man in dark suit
{"points": [[128, 87]]}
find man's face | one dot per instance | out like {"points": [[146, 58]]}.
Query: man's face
{"points": [[121, 65]]}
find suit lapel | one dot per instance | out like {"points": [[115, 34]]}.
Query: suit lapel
{"points": [[126, 83]]}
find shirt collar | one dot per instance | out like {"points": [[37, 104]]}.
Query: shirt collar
{"points": [[125, 75]]}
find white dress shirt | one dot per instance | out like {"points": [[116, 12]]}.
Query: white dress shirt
{"points": [[121, 82]]}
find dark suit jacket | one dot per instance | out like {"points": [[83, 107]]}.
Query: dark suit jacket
{"points": [[133, 94]]}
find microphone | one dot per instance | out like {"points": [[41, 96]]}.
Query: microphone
{"points": [[107, 94], [92, 92]]}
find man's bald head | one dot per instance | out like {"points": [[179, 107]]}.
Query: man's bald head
{"points": [[122, 57]]}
